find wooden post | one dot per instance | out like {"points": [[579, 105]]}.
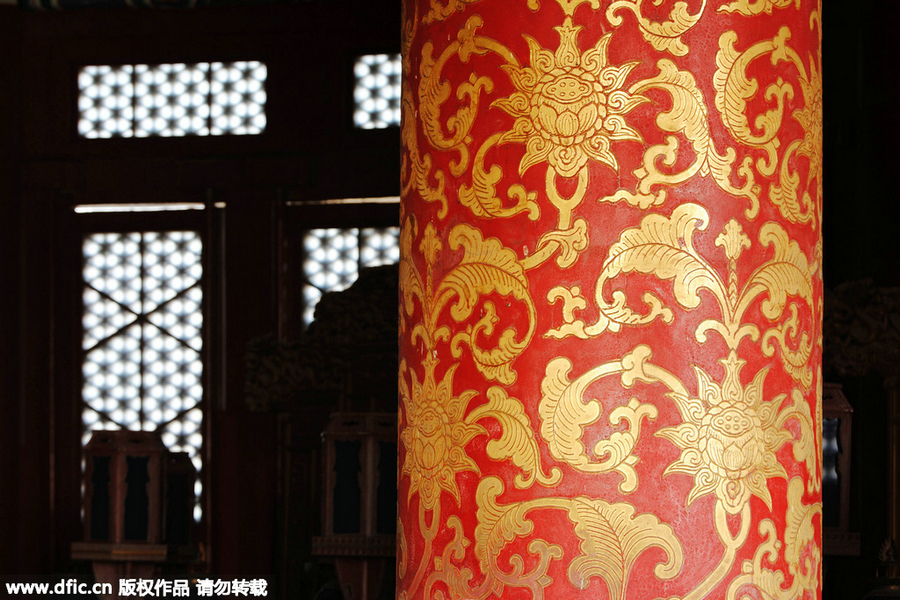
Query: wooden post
{"points": [[611, 300]]}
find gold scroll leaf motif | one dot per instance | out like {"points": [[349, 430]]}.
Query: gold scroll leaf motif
{"points": [[751, 8], [481, 197], [663, 247], [796, 362], [565, 413], [498, 525], [799, 534], [415, 168], [569, 105], [660, 246], [733, 91], [402, 551], [807, 447], [434, 92], [439, 11], [486, 267], [664, 36], [446, 571], [612, 538], [690, 117], [518, 443]]}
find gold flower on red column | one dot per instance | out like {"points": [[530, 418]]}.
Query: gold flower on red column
{"points": [[729, 438], [810, 118], [569, 106], [435, 435]]}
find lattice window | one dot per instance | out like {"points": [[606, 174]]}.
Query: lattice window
{"points": [[142, 340], [335, 256], [377, 92], [172, 100]]}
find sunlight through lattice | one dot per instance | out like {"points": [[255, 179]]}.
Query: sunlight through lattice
{"points": [[142, 339], [335, 256], [172, 100], [376, 94]]}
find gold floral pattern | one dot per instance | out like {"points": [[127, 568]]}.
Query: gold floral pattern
{"points": [[810, 118], [574, 204], [435, 436], [729, 447], [569, 106]]}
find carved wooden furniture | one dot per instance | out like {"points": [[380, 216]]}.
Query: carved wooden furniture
{"points": [[138, 501], [123, 504], [360, 500]]}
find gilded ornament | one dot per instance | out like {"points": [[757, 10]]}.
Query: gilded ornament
{"points": [[565, 413], [435, 435], [569, 109], [734, 89], [664, 36], [689, 116], [750, 8], [569, 106], [729, 448]]}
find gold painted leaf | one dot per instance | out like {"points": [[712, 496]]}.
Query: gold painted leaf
{"points": [[664, 36], [795, 362], [434, 92], [750, 8], [662, 247], [439, 11], [410, 282], [481, 197], [788, 273], [689, 116], [564, 413], [416, 168], [517, 441], [688, 112], [784, 194], [498, 525], [798, 529], [487, 267], [612, 538], [734, 88]]}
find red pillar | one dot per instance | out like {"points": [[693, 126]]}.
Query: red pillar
{"points": [[611, 300]]}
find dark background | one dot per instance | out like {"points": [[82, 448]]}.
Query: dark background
{"points": [[309, 151]]}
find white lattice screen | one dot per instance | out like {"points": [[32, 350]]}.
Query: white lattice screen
{"points": [[172, 100], [335, 256], [376, 94], [142, 340]]}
